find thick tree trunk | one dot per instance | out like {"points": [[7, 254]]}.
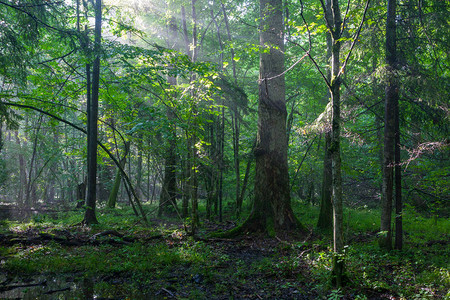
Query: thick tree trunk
{"points": [[272, 204], [389, 129]]}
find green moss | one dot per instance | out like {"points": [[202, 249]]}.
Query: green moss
{"points": [[270, 227]]}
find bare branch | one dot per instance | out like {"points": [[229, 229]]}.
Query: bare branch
{"points": [[345, 18]]}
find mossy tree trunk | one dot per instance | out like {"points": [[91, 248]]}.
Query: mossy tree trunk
{"points": [[334, 21], [271, 210]]}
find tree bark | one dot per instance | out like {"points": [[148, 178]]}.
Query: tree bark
{"points": [[272, 209], [90, 217], [398, 184], [335, 150], [391, 99], [325, 221]]}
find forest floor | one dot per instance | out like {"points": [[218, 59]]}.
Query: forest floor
{"points": [[51, 258]]}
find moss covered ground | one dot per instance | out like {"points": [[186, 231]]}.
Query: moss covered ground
{"points": [[52, 257]]}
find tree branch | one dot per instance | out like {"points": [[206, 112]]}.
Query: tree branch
{"points": [[341, 71], [116, 162]]}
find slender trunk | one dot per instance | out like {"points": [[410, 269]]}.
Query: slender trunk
{"points": [[218, 204], [235, 120], [193, 182], [398, 183], [22, 172], [389, 128], [90, 217], [30, 190], [325, 220], [217, 199], [169, 187], [186, 167], [139, 172], [244, 187], [236, 159], [112, 199], [335, 83], [211, 178]]}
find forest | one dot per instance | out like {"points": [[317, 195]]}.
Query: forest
{"points": [[193, 149]]}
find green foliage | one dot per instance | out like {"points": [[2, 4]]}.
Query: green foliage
{"points": [[335, 295], [421, 270]]}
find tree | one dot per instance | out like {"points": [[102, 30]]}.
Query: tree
{"points": [[90, 217], [112, 198], [325, 220], [271, 209], [391, 102], [334, 21], [167, 197], [334, 24]]}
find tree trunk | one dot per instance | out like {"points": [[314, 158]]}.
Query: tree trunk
{"points": [[389, 128], [235, 121], [398, 183], [168, 193], [30, 189], [139, 168], [186, 167], [90, 217], [167, 199], [271, 210], [112, 199], [325, 221], [22, 172], [219, 200], [244, 186], [335, 150]]}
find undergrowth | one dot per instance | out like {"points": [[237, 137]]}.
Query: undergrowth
{"points": [[200, 269]]}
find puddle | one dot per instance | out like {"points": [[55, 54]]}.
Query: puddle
{"points": [[42, 288], [62, 288]]}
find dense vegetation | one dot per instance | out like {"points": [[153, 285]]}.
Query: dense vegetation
{"points": [[214, 150]]}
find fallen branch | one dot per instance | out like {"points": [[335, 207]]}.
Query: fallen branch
{"points": [[17, 286], [57, 291]]}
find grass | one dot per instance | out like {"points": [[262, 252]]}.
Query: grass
{"points": [[194, 269]]}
